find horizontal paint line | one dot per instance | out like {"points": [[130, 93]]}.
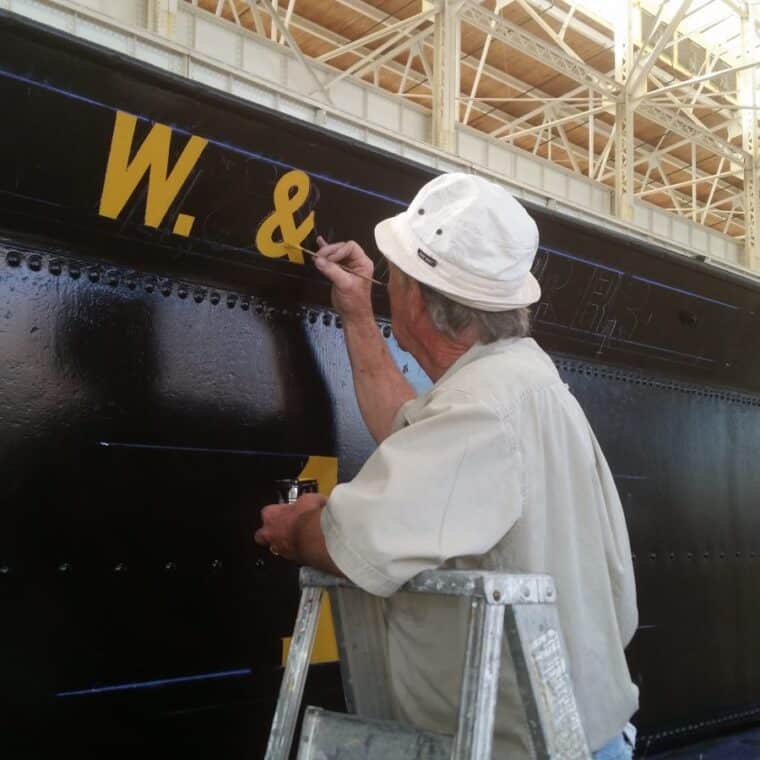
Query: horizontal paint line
{"points": [[630, 477], [340, 183], [201, 450], [156, 683], [614, 339], [639, 278], [217, 143]]}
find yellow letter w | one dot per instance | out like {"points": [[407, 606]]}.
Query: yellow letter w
{"points": [[152, 157]]}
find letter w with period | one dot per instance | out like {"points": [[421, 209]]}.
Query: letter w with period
{"points": [[151, 158]]}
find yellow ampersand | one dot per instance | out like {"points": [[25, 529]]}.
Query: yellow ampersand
{"points": [[290, 193]]}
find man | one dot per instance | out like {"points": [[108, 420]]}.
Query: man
{"points": [[495, 467]]}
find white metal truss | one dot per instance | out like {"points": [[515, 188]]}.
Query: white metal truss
{"points": [[656, 121], [446, 46], [670, 119], [748, 85]]}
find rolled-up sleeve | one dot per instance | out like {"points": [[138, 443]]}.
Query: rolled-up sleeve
{"points": [[431, 491]]}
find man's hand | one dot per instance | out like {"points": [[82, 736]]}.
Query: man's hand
{"points": [[279, 529], [294, 531], [351, 295]]}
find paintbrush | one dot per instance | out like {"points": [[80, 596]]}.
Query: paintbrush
{"points": [[345, 269]]}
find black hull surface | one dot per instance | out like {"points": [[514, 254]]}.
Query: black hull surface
{"points": [[159, 373]]}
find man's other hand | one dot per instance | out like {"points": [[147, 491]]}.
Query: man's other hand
{"points": [[278, 524], [351, 295]]}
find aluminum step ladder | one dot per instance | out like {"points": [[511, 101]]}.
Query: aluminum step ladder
{"points": [[520, 606]]}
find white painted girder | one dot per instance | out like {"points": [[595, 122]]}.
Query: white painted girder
{"points": [[748, 85], [468, 143], [642, 152]]}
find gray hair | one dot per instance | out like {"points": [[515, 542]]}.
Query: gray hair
{"points": [[450, 318]]}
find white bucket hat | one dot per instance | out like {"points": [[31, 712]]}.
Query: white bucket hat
{"points": [[467, 238]]}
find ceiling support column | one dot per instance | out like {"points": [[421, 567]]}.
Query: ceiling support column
{"points": [[446, 44], [162, 17], [748, 84], [627, 34]]}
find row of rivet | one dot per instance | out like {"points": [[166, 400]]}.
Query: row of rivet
{"points": [[122, 567], [65, 567], [705, 555], [634, 378], [695, 726], [166, 287]]}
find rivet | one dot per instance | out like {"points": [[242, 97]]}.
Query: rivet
{"points": [[421, 211], [34, 262], [4, 569], [259, 308], [525, 591], [496, 595], [326, 318], [149, 284], [439, 231], [93, 274], [120, 567], [706, 555], [170, 567], [216, 564], [112, 277], [64, 567], [671, 555], [231, 300], [284, 312], [259, 563], [245, 304], [74, 271], [131, 280], [339, 322], [182, 291], [387, 331], [690, 555], [166, 287], [312, 317], [198, 295], [55, 267], [214, 298], [652, 555], [13, 259]]}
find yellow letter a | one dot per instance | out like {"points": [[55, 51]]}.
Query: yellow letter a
{"points": [[122, 177]]}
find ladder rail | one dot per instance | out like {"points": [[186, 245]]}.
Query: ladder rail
{"points": [[294, 678], [518, 611], [480, 683]]}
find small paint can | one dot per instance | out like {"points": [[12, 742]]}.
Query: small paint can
{"points": [[289, 489]]}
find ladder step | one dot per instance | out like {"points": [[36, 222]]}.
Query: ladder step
{"points": [[328, 735]]}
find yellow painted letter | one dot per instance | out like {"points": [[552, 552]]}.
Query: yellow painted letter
{"points": [[152, 157], [290, 193]]}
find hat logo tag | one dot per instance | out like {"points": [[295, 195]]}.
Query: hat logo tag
{"points": [[429, 260]]}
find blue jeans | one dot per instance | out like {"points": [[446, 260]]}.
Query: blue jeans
{"points": [[617, 749]]}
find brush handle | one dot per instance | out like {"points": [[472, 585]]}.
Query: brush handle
{"points": [[345, 269]]}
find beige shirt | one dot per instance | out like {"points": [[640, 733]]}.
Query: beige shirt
{"points": [[495, 467]]}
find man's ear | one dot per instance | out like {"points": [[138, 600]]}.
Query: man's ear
{"points": [[418, 317], [416, 300]]}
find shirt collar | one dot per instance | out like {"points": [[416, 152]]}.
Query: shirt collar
{"points": [[475, 352], [412, 407]]}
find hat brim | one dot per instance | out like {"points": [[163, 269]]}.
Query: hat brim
{"points": [[397, 243]]}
